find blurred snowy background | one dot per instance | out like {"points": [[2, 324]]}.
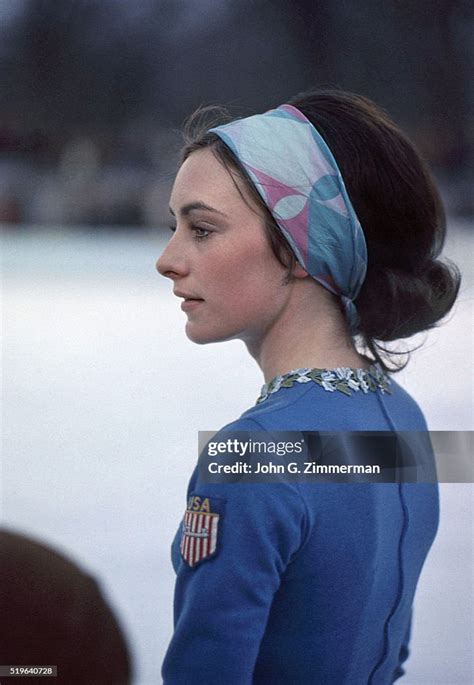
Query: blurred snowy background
{"points": [[102, 400], [102, 394]]}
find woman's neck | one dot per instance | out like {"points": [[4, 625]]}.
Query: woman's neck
{"points": [[310, 332]]}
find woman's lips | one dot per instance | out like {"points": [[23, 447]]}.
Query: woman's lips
{"points": [[190, 303]]}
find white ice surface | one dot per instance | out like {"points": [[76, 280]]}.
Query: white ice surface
{"points": [[102, 398]]}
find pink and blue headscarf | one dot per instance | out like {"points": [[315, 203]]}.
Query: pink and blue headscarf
{"points": [[299, 180]]}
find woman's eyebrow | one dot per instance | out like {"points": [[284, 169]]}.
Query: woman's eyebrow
{"points": [[186, 209]]}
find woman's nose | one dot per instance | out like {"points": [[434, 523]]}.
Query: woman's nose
{"points": [[172, 261]]}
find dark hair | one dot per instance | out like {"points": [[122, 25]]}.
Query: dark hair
{"points": [[407, 289], [56, 613]]}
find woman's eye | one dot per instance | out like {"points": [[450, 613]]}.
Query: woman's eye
{"points": [[200, 233]]}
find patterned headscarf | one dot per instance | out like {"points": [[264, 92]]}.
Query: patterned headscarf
{"points": [[299, 180]]}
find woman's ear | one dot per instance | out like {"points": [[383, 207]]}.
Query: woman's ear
{"points": [[298, 271]]}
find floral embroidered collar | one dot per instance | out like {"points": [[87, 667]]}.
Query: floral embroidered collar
{"points": [[344, 379]]}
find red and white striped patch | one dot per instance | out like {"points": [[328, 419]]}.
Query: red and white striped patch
{"points": [[199, 538]]}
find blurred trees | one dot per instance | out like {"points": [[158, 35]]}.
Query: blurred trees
{"points": [[91, 64], [124, 73]]}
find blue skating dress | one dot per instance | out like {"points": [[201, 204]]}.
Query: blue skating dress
{"points": [[304, 583]]}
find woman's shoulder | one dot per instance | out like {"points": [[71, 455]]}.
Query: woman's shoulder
{"points": [[405, 408]]}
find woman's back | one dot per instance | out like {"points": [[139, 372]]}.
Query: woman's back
{"points": [[324, 574], [342, 613]]}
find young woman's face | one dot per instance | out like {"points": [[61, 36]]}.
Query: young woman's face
{"points": [[219, 258]]}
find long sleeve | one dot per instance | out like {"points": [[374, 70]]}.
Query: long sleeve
{"points": [[226, 583]]}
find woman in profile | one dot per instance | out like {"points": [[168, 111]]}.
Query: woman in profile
{"points": [[312, 233]]}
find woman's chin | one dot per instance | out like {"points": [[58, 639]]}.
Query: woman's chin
{"points": [[197, 335], [203, 336]]}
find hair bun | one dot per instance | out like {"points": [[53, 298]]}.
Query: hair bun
{"points": [[394, 303]]}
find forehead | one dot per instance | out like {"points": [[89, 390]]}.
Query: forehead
{"points": [[204, 178]]}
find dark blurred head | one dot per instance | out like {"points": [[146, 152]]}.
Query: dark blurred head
{"points": [[53, 613], [407, 289]]}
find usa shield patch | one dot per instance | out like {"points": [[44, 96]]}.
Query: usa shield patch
{"points": [[199, 533]]}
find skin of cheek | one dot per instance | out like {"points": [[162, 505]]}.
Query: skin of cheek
{"points": [[244, 292]]}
